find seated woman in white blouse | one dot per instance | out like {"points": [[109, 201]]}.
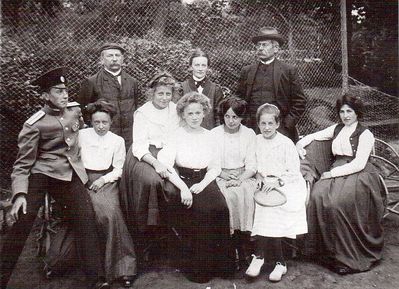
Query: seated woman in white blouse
{"points": [[103, 155], [204, 220], [143, 190], [237, 153], [346, 204]]}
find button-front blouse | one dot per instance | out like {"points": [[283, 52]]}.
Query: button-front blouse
{"points": [[101, 152]]}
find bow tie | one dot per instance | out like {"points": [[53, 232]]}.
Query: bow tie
{"points": [[199, 83]]}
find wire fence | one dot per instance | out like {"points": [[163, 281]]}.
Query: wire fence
{"points": [[159, 35]]}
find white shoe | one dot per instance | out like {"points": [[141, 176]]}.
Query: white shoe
{"points": [[255, 266], [278, 272]]}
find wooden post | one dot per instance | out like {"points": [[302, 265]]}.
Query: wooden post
{"points": [[344, 47]]}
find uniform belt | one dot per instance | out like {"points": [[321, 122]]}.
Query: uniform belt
{"points": [[187, 173]]}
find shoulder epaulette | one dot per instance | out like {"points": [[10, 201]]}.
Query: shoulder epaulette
{"points": [[73, 103], [34, 118]]}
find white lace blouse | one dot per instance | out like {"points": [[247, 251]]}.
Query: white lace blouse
{"points": [[152, 126]]}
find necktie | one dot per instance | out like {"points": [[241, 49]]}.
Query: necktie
{"points": [[199, 83], [117, 77]]}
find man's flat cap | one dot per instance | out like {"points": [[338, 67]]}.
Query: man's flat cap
{"points": [[51, 78], [111, 45]]}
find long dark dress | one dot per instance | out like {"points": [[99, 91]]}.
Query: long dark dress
{"points": [[120, 257], [205, 230], [205, 226], [345, 213], [144, 194]]}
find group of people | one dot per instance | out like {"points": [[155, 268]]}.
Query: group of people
{"points": [[194, 161]]}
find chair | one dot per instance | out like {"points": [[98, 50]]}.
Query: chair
{"points": [[318, 160], [5, 206], [385, 157], [47, 224]]}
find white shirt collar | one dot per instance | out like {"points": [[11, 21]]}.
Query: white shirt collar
{"points": [[269, 61], [113, 73], [197, 79]]}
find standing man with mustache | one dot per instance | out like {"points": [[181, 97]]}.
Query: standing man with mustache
{"points": [[116, 86], [273, 81]]}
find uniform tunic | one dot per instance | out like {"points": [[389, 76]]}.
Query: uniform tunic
{"points": [[49, 161], [278, 157], [345, 211], [103, 157], [237, 154]]}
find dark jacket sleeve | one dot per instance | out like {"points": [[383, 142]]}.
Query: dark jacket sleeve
{"points": [[242, 83], [297, 99], [135, 94], [218, 98], [86, 93]]}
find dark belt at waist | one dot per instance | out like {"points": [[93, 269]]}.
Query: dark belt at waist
{"points": [[342, 158], [103, 172], [191, 173]]}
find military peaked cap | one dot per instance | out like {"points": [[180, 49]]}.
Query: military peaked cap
{"points": [[51, 78]]}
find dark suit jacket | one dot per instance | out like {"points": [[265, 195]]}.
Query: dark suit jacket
{"points": [[124, 97], [288, 92]]}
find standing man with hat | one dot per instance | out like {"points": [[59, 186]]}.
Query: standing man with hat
{"points": [[116, 86], [49, 161], [272, 81]]}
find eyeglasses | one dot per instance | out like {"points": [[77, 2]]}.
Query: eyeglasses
{"points": [[263, 44]]}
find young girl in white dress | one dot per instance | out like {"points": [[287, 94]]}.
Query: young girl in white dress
{"points": [[276, 156]]}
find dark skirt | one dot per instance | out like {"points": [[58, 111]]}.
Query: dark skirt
{"points": [[120, 258], [144, 194], [344, 218], [205, 231]]}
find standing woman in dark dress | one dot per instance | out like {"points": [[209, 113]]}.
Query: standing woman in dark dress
{"points": [[346, 204], [198, 65], [204, 219]]}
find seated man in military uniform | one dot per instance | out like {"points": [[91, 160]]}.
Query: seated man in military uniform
{"points": [[49, 161]]}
